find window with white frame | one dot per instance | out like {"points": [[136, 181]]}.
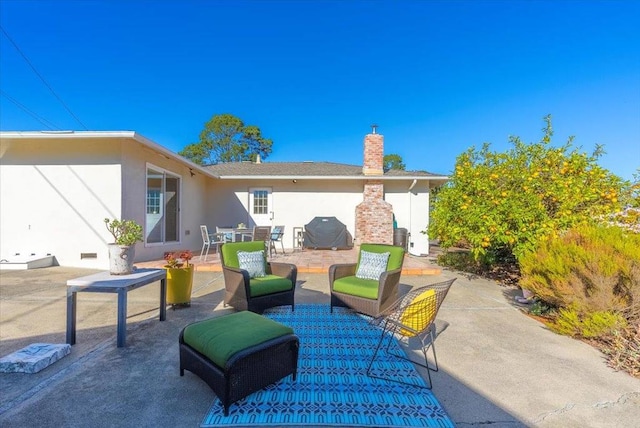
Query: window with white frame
{"points": [[260, 202]]}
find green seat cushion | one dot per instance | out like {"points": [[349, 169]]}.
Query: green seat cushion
{"points": [[367, 288], [269, 284], [396, 256], [222, 337], [230, 251]]}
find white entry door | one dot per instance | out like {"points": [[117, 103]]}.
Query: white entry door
{"points": [[261, 206]]}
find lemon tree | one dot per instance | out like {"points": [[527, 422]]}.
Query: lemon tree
{"points": [[502, 204]]}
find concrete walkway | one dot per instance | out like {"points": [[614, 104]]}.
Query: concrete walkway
{"points": [[498, 367]]}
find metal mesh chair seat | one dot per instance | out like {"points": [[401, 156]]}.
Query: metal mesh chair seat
{"points": [[412, 316]]}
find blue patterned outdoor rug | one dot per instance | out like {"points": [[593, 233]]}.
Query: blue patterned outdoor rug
{"points": [[332, 387]]}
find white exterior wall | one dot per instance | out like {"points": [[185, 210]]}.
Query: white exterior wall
{"points": [[56, 193], [419, 222], [54, 201], [411, 210], [192, 200], [294, 204], [58, 210]]}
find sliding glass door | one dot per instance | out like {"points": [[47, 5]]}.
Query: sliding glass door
{"points": [[163, 206]]}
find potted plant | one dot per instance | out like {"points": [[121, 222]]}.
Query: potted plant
{"points": [[122, 251], [179, 278]]}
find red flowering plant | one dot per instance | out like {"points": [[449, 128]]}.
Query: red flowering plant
{"points": [[178, 259]]}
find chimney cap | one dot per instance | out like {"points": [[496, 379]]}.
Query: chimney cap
{"points": [[373, 128]]}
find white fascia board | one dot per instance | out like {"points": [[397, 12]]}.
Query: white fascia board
{"points": [[168, 153], [332, 177], [164, 151], [66, 134], [132, 135]]}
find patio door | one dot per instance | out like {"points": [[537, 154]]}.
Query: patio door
{"points": [[260, 206], [163, 206]]}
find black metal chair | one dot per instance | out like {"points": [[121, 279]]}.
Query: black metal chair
{"points": [[412, 316]]}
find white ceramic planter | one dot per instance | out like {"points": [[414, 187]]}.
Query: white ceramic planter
{"points": [[121, 259]]}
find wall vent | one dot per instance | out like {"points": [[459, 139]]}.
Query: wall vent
{"points": [[88, 256]]}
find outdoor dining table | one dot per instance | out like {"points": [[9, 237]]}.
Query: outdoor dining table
{"points": [[234, 232]]}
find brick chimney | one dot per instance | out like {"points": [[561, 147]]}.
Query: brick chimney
{"points": [[373, 153], [374, 215]]}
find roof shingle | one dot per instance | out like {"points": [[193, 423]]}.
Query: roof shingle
{"points": [[302, 169]]}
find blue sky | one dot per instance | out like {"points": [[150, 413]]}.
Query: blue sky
{"points": [[437, 76]]}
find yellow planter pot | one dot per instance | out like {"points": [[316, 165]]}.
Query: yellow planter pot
{"points": [[179, 285]]}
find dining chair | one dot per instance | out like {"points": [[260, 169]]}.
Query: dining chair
{"points": [[298, 237], [262, 233], [209, 239], [276, 236], [226, 232]]}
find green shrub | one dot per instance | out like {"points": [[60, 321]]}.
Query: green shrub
{"points": [[459, 260], [589, 268], [594, 325], [602, 323], [567, 322]]}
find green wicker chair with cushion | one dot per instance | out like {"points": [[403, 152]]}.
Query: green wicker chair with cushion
{"points": [[370, 285], [253, 284]]}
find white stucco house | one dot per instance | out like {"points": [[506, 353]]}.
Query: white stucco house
{"points": [[56, 189]]}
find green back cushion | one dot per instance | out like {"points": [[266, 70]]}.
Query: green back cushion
{"points": [[259, 286], [367, 288], [395, 258], [222, 337], [269, 284], [230, 251]]}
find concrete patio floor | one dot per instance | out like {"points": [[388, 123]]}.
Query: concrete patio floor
{"points": [[498, 367]]}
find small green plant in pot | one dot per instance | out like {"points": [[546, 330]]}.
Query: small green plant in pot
{"points": [[179, 278], [125, 232], [122, 251]]}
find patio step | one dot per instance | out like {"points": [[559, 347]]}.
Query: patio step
{"points": [[325, 269], [312, 261]]}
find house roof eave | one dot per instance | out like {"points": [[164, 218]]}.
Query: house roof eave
{"points": [[336, 177], [131, 135], [164, 151]]}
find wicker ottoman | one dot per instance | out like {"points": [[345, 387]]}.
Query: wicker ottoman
{"points": [[238, 354]]}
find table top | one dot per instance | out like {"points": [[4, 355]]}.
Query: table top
{"points": [[104, 279], [232, 229]]}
